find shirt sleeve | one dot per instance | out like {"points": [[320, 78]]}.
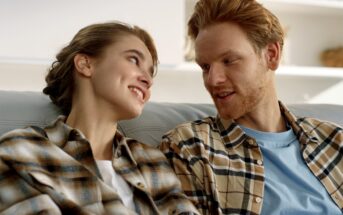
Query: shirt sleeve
{"points": [[17, 195], [182, 164], [168, 194]]}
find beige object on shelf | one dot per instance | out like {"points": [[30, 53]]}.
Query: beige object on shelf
{"points": [[332, 57]]}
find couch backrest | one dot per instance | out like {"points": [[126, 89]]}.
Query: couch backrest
{"points": [[20, 109]]}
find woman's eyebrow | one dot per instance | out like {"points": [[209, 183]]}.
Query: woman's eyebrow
{"points": [[139, 53]]}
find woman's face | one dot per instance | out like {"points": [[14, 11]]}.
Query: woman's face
{"points": [[122, 77]]}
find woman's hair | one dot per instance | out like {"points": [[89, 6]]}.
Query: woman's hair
{"points": [[260, 25], [92, 41]]}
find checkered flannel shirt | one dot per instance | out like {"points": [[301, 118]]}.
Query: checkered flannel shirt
{"points": [[53, 171], [221, 168]]}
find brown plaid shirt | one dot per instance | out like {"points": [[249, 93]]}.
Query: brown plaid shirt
{"points": [[221, 168], [53, 171]]}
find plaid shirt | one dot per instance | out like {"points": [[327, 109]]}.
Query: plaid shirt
{"points": [[221, 168], [53, 171]]}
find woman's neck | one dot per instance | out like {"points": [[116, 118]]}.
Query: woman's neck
{"points": [[97, 128]]}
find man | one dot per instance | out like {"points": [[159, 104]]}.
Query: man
{"points": [[255, 157]]}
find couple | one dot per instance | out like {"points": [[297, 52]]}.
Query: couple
{"points": [[255, 157]]}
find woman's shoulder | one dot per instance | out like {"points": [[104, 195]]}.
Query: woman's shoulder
{"points": [[139, 148], [31, 133]]}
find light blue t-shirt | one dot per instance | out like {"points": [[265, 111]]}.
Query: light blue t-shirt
{"points": [[290, 186]]}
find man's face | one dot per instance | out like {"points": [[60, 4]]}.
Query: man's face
{"points": [[235, 75]]}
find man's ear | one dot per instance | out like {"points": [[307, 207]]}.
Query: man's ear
{"points": [[273, 55], [83, 65]]}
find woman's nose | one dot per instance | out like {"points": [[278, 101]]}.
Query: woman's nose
{"points": [[146, 79]]}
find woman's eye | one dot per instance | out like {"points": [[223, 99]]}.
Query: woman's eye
{"points": [[134, 60]]}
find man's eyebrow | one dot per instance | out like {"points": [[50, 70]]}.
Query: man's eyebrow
{"points": [[228, 52], [220, 55]]}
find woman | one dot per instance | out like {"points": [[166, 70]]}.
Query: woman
{"points": [[81, 163]]}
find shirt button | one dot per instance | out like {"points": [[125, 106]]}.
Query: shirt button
{"points": [[259, 162], [258, 200]]}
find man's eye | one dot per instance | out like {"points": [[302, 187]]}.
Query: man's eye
{"points": [[227, 61], [205, 67]]}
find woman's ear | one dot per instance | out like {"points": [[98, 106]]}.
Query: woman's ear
{"points": [[273, 55], [83, 65]]}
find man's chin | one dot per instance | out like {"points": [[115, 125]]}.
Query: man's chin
{"points": [[228, 113]]}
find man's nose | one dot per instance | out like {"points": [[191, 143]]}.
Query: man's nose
{"points": [[216, 75]]}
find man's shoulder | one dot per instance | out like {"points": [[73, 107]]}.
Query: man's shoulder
{"points": [[314, 123], [193, 126], [321, 129], [192, 131]]}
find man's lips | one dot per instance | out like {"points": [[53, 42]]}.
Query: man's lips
{"points": [[223, 94]]}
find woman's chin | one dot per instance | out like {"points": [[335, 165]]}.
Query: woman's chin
{"points": [[133, 113]]}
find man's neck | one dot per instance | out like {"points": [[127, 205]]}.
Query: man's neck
{"points": [[266, 118]]}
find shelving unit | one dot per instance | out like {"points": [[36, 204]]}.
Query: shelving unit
{"points": [[312, 27], [317, 7]]}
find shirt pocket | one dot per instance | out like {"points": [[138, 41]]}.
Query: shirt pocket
{"points": [[43, 205], [81, 190]]}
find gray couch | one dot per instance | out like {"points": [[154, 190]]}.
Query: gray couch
{"points": [[19, 109]]}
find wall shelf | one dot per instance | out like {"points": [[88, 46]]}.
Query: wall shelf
{"points": [[322, 7], [301, 71]]}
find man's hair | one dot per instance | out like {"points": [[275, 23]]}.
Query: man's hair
{"points": [[92, 41], [260, 25]]}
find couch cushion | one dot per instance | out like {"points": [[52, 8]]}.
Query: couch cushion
{"points": [[158, 118], [20, 109]]}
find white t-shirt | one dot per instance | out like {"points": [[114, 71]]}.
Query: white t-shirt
{"points": [[114, 180]]}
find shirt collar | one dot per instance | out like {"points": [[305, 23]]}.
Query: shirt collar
{"points": [[60, 133], [230, 132], [303, 134], [121, 147], [233, 135], [72, 141]]}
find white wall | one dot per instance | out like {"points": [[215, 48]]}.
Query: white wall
{"points": [[34, 31]]}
